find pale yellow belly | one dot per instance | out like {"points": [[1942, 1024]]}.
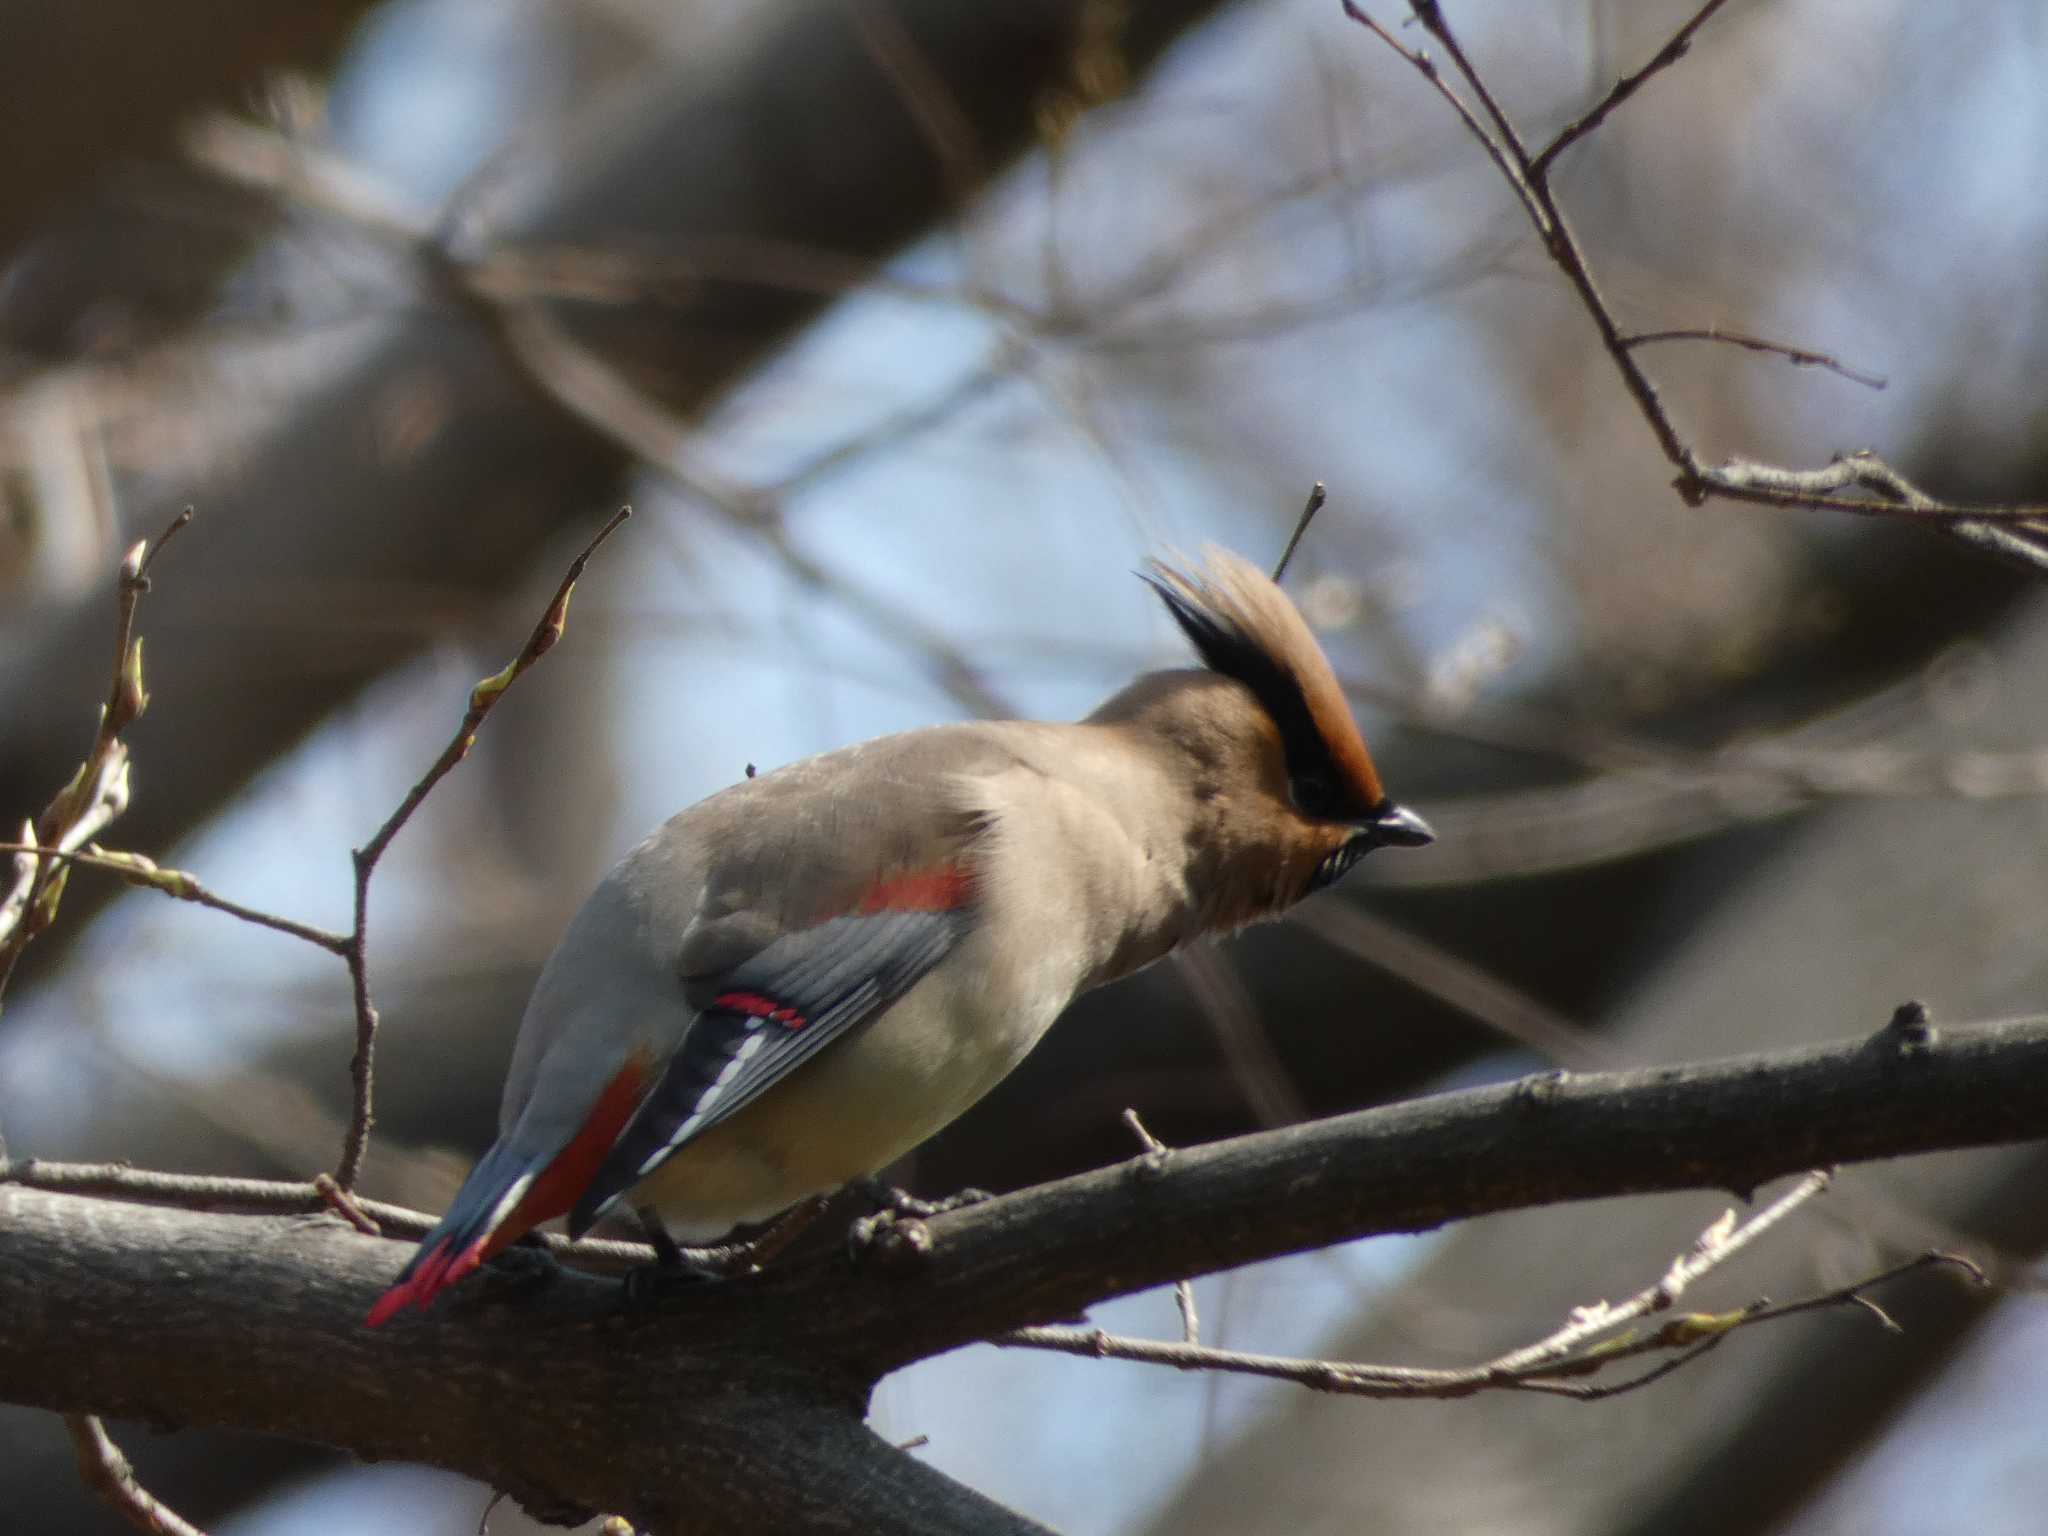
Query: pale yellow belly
{"points": [[857, 1106]]}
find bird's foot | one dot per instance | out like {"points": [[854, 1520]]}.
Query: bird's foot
{"points": [[889, 1199], [889, 1237], [896, 1233], [678, 1271]]}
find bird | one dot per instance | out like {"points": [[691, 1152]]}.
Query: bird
{"points": [[795, 981]]}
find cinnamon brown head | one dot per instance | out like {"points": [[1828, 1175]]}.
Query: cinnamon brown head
{"points": [[1244, 627]]}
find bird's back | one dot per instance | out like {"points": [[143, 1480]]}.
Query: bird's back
{"points": [[724, 878]]}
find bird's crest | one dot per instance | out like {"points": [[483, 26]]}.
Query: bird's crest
{"points": [[1246, 628]]}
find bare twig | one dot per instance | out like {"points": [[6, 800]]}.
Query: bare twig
{"points": [[1585, 1346], [1430, 14], [1674, 50], [106, 1471], [1713, 1248], [98, 792], [1677, 1330], [1497, 152], [345, 1205], [30, 906], [482, 699], [1799, 357], [138, 869], [1156, 1153], [1316, 497], [1742, 480], [210, 1192], [1529, 177]]}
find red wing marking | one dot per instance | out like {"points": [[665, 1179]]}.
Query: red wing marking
{"points": [[754, 1005], [930, 890]]}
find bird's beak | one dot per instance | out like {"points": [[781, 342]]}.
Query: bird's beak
{"points": [[1395, 826]]}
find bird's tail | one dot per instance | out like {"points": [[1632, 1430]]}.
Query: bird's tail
{"points": [[482, 1221], [533, 1174]]}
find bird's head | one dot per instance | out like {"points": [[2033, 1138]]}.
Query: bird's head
{"points": [[1314, 790]]}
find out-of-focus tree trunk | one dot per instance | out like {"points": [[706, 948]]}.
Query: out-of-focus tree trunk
{"points": [[83, 87], [799, 137]]}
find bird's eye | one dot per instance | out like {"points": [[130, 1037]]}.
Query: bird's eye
{"points": [[1311, 794]]}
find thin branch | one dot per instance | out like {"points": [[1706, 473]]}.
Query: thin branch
{"points": [[98, 791], [1683, 1340], [1674, 50], [482, 699], [138, 869], [212, 1192], [1799, 357], [1574, 1350], [1431, 15], [345, 1205], [31, 905], [1643, 795], [1707, 1333], [1743, 480], [107, 1472], [1713, 1248], [1529, 177], [588, 388], [1495, 151], [1156, 1153]]}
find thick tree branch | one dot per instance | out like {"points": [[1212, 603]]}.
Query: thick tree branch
{"points": [[560, 1398], [742, 1406], [1044, 1254]]}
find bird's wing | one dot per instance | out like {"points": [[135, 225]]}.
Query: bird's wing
{"points": [[761, 1019], [730, 947]]}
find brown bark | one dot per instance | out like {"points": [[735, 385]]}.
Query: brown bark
{"points": [[741, 1405]]}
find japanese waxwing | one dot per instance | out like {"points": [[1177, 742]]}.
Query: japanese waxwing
{"points": [[796, 981]]}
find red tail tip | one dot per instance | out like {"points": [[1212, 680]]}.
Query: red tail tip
{"points": [[426, 1276]]}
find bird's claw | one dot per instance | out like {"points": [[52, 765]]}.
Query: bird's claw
{"points": [[890, 1236], [891, 1200]]}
